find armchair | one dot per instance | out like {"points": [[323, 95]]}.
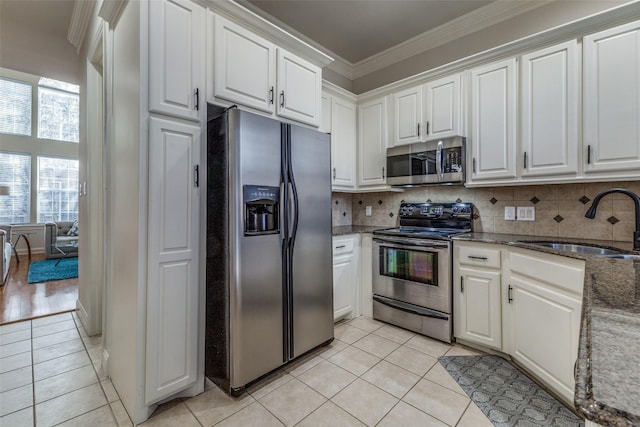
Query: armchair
{"points": [[5, 255], [56, 235]]}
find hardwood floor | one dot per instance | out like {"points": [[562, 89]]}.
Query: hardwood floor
{"points": [[20, 300]]}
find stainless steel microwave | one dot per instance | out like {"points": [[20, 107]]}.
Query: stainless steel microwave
{"points": [[432, 162]]}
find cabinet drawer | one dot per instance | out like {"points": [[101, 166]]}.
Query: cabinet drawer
{"points": [[563, 272], [479, 256], [342, 246]]}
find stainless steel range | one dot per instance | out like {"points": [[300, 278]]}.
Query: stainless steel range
{"points": [[412, 267]]}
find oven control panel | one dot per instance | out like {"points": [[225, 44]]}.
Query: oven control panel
{"points": [[436, 210]]}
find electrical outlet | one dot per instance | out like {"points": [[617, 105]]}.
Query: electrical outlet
{"points": [[526, 213], [509, 213], [367, 210]]}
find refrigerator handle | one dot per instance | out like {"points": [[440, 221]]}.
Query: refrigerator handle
{"points": [[294, 190]]}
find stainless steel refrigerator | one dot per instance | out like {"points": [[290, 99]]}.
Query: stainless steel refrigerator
{"points": [[269, 262]]}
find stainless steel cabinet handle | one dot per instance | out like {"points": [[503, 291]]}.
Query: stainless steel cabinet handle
{"points": [[509, 294]]}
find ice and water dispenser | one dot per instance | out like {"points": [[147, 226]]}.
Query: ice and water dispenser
{"points": [[261, 210]]}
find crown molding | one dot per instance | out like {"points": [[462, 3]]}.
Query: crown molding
{"points": [[80, 18], [484, 17], [110, 11], [276, 33]]}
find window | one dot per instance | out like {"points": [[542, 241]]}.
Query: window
{"points": [[15, 171], [57, 189], [15, 107], [58, 110]]}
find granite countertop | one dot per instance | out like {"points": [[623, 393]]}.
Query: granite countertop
{"points": [[608, 366], [342, 230]]}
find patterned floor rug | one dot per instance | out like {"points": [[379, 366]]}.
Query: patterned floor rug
{"points": [[48, 271], [505, 395]]}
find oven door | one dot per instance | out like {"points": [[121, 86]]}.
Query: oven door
{"points": [[415, 271]]}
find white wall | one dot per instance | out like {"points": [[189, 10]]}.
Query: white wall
{"points": [[36, 50]]}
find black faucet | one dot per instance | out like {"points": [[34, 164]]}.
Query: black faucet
{"points": [[591, 212]]}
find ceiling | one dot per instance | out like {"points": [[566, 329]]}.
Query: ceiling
{"points": [[356, 30], [50, 17]]}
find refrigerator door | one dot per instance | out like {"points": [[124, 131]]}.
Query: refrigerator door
{"points": [[256, 295], [311, 296]]}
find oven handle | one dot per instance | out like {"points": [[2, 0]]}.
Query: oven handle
{"points": [[410, 308], [399, 243]]}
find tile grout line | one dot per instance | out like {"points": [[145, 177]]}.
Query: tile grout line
{"points": [[33, 378]]}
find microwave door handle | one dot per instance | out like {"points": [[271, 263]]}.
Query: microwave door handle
{"points": [[439, 168]]}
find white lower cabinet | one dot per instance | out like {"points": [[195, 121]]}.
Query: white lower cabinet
{"points": [[524, 303], [544, 300], [346, 256], [476, 293]]}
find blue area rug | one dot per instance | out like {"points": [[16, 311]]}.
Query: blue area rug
{"points": [[505, 395], [48, 271]]}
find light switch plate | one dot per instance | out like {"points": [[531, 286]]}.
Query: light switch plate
{"points": [[367, 210], [526, 213], [509, 213]]}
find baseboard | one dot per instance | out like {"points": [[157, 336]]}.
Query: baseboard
{"points": [[83, 316]]}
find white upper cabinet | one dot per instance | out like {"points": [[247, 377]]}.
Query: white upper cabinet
{"points": [[408, 116], [299, 89], [611, 119], [442, 107], [372, 142], [176, 58], [244, 66], [493, 121], [343, 143], [549, 111], [252, 71]]}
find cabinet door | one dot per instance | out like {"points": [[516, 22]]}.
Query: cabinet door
{"points": [[612, 100], [299, 89], [442, 99], [343, 143], [478, 318], [545, 335], [176, 58], [343, 285], [493, 121], [372, 142], [549, 111], [173, 263], [325, 120], [244, 66], [408, 116]]}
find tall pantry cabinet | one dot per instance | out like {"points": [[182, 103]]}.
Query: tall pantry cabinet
{"points": [[155, 203]]}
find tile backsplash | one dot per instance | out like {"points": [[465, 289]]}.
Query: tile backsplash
{"points": [[559, 209]]}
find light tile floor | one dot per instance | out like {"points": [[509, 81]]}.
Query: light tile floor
{"points": [[371, 374]]}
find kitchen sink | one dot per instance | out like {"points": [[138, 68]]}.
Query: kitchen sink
{"points": [[623, 256], [579, 249]]}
